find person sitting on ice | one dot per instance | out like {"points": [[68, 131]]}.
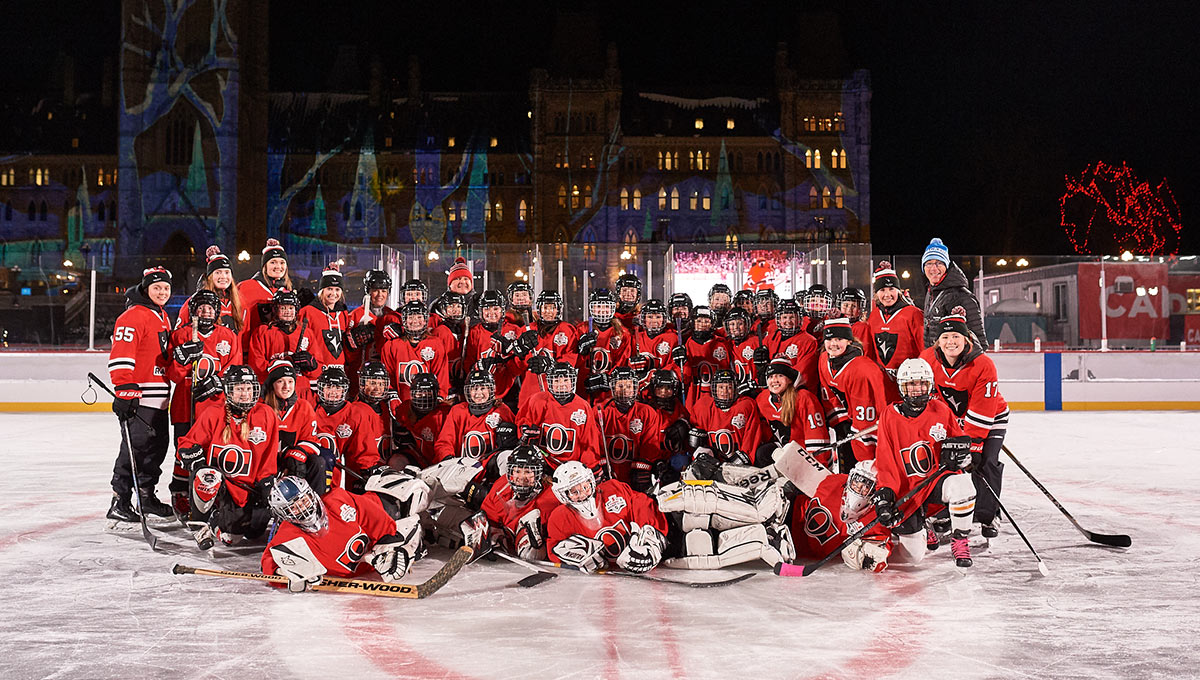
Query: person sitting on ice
{"points": [[599, 525], [336, 535], [519, 504]]}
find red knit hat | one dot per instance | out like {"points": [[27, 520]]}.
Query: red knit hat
{"points": [[460, 269]]}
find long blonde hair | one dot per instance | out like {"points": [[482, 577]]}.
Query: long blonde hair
{"points": [[228, 431], [787, 404]]}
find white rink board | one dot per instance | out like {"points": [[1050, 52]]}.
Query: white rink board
{"points": [[82, 603]]}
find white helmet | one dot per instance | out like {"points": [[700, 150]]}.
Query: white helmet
{"points": [[913, 372], [860, 484], [570, 476]]}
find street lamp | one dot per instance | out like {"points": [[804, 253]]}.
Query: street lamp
{"points": [[244, 256]]}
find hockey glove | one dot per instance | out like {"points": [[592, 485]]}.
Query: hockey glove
{"points": [[706, 466], [191, 457], [530, 540], [295, 462], [393, 555], [125, 404], [506, 435], [586, 343], [884, 501], [596, 383], [393, 330], [866, 555], [360, 336], [679, 355], [580, 552], [525, 343], [539, 364], [304, 362], [640, 362], [644, 550], [782, 432], [188, 352], [531, 434], [265, 311], [956, 453], [746, 388], [697, 438], [306, 296], [676, 435], [762, 356], [207, 389], [639, 475]]}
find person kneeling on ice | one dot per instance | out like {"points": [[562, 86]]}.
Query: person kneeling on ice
{"points": [[519, 504], [231, 457], [336, 535], [914, 436], [722, 523], [601, 524]]}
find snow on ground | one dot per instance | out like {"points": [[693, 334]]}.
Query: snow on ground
{"points": [[80, 602]]}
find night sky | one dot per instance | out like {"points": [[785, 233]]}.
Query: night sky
{"points": [[979, 110]]}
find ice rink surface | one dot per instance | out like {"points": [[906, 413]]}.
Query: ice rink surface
{"points": [[80, 602]]}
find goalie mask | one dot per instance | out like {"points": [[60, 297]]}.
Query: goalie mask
{"points": [[526, 465], [204, 306], [414, 290], [423, 393], [724, 388], [480, 390], [654, 317], [624, 388], [241, 389], [332, 387], [860, 484], [575, 485], [293, 500], [415, 320], [602, 305], [373, 382], [560, 382], [915, 380]]}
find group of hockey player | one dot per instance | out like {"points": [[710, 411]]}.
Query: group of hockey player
{"points": [[695, 436]]}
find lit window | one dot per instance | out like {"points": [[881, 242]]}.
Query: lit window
{"points": [[487, 212], [691, 160], [450, 142], [674, 198], [660, 160], [807, 158], [833, 158], [814, 200], [707, 160], [728, 123], [562, 196], [574, 197], [494, 142], [694, 200], [838, 197], [624, 198], [705, 200], [825, 197], [675, 160], [587, 196], [74, 142], [637, 199], [699, 123], [817, 158], [662, 199], [522, 211], [387, 141], [452, 214]]}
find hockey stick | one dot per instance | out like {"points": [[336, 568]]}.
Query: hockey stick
{"points": [[1040, 564], [1114, 540], [150, 539], [786, 569], [419, 591], [539, 575], [647, 577], [106, 388]]}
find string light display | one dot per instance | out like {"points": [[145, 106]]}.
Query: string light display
{"points": [[1108, 202]]}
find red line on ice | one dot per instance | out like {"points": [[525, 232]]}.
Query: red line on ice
{"points": [[611, 669], [41, 530], [666, 624], [387, 651]]}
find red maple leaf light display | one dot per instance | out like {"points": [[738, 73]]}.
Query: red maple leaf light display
{"points": [[1108, 206]]}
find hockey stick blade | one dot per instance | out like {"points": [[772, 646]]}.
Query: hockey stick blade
{"points": [[539, 575], [1113, 540]]}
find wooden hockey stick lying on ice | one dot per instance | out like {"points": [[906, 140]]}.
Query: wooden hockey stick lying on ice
{"points": [[419, 591]]}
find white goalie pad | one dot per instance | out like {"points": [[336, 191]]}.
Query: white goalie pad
{"points": [[868, 555], [295, 560], [729, 506], [402, 487], [583, 553], [748, 476], [733, 546], [799, 467], [909, 548], [449, 477], [444, 523]]}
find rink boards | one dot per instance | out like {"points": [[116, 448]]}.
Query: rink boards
{"points": [[1030, 381]]}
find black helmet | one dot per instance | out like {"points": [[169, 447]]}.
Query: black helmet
{"points": [[373, 370], [818, 302], [451, 298], [285, 298], [491, 298], [628, 281], [414, 286], [240, 374], [654, 306], [549, 297], [332, 376], [424, 392], [664, 378], [602, 305], [743, 299], [788, 306], [558, 371], [413, 310], [519, 286], [680, 301], [853, 295], [202, 298], [717, 289], [479, 378], [525, 457], [376, 279], [723, 376], [737, 314], [624, 401]]}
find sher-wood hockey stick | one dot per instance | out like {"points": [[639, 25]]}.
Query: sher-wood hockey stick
{"points": [[1040, 564], [419, 591], [785, 569], [1114, 540]]}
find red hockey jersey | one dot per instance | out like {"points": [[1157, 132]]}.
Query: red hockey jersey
{"points": [[298, 427], [618, 508], [252, 292], [898, 334], [702, 360], [424, 430], [569, 432], [328, 331], [242, 459], [220, 346], [738, 429], [807, 428], [356, 523], [854, 389], [352, 435], [504, 512], [910, 449], [817, 526], [971, 390], [470, 436], [141, 350], [635, 435], [802, 353], [404, 361], [270, 342]]}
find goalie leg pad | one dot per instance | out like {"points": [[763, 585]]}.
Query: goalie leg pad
{"points": [[958, 492], [737, 506], [734, 546], [449, 477], [206, 484], [411, 495], [909, 548], [690, 522], [445, 525], [295, 560]]}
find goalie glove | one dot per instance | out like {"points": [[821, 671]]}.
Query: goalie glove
{"points": [[393, 555], [295, 561], [644, 550], [867, 555], [580, 552]]}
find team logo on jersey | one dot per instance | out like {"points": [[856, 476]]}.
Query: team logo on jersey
{"points": [[223, 348], [886, 344], [738, 421], [636, 425], [663, 348], [579, 417], [333, 341], [257, 436], [938, 432], [343, 431], [615, 504], [560, 339], [492, 419], [427, 353], [719, 353], [427, 434], [791, 352], [348, 513], [510, 335], [747, 353]]}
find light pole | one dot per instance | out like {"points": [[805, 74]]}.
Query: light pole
{"points": [[86, 249]]}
